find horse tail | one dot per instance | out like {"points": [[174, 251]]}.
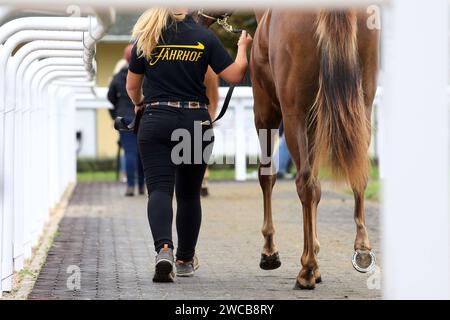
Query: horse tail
{"points": [[338, 116]]}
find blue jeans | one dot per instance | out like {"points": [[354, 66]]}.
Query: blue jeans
{"points": [[133, 162], [284, 157]]}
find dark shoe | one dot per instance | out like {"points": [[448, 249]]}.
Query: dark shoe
{"points": [[204, 192], [187, 269], [129, 192], [141, 190], [164, 265]]}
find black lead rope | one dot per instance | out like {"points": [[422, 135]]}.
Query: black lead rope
{"points": [[225, 105]]}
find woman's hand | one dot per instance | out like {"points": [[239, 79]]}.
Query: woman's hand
{"points": [[137, 109], [245, 39], [139, 105], [236, 72]]}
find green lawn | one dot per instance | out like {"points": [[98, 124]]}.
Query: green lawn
{"points": [[221, 174], [109, 176], [325, 173], [99, 176], [373, 190]]}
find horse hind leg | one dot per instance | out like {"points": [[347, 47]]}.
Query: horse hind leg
{"points": [[309, 193], [309, 275], [306, 186], [270, 259], [316, 200], [363, 259]]}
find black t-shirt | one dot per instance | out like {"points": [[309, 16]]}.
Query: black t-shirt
{"points": [[177, 69]]}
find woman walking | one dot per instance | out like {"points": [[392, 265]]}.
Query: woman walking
{"points": [[172, 52], [123, 107]]}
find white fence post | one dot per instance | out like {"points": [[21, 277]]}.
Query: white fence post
{"points": [[240, 138], [416, 152], [30, 107]]}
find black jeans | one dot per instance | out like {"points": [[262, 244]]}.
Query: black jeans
{"points": [[167, 166]]}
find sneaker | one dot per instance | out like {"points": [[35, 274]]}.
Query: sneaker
{"points": [[187, 268], [129, 192], [164, 265]]}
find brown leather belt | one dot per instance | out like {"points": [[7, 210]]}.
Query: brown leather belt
{"points": [[180, 104]]}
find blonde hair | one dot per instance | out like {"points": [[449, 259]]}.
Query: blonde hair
{"points": [[147, 31]]}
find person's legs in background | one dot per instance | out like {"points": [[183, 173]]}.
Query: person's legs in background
{"points": [[130, 147], [123, 169], [205, 190], [284, 159]]}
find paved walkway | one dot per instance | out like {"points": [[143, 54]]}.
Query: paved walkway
{"points": [[107, 237]]}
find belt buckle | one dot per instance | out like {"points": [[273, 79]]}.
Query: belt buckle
{"points": [[175, 104], [194, 105]]}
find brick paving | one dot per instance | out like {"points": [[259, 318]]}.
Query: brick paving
{"points": [[108, 238]]}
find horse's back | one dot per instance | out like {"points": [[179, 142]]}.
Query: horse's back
{"points": [[285, 56]]}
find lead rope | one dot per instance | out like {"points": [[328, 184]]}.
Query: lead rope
{"points": [[225, 105]]}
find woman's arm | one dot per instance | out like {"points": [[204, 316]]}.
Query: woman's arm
{"points": [[134, 87], [235, 73]]}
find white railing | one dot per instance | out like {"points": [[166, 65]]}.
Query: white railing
{"points": [[37, 114]]}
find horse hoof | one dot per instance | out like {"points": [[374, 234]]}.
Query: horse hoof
{"points": [[364, 261], [270, 262], [305, 285], [317, 276]]}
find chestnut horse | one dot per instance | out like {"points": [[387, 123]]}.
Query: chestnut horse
{"points": [[316, 71]]}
